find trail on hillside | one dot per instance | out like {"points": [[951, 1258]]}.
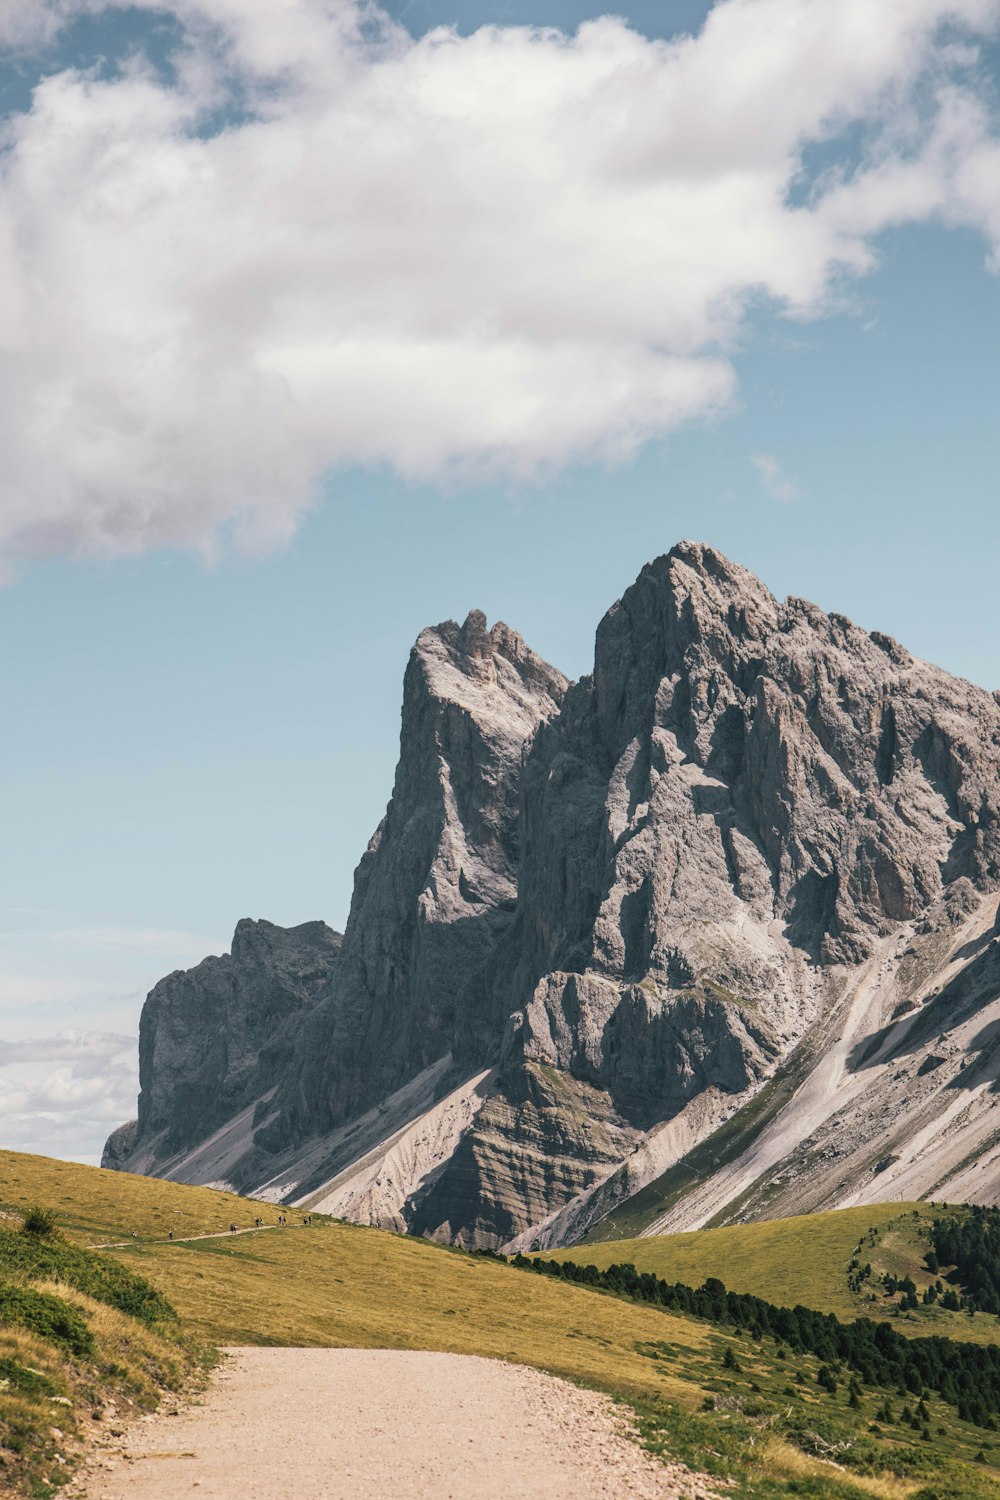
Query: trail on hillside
{"points": [[179, 1239], [189, 1239], [328, 1424]]}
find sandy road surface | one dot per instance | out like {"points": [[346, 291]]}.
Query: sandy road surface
{"points": [[320, 1424]]}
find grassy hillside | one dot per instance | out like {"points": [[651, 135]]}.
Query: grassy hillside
{"points": [[814, 1260], [97, 1206], [84, 1342], [785, 1260], [749, 1411]]}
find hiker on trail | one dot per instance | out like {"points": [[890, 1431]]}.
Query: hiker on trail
{"points": [[232, 1229], [170, 1234]]}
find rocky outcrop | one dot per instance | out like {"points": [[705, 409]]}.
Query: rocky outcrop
{"points": [[734, 761], [119, 1148], [437, 888], [742, 801], [433, 894], [635, 901], [213, 1039]]}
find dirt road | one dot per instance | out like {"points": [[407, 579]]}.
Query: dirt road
{"points": [[321, 1424]]}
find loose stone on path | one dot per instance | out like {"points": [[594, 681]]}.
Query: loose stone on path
{"points": [[334, 1424]]}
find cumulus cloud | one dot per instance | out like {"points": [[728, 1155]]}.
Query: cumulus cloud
{"points": [[28, 25], [76, 1046], [321, 243], [68, 1109], [773, 478]]}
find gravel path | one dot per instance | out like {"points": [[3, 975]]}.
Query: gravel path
{"points": [[321, 1424]]}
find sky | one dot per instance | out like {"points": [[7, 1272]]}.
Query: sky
{"points": [[320, 323]]}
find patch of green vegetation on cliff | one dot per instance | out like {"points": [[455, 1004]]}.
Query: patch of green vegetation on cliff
{"points": [[722, 1146]]}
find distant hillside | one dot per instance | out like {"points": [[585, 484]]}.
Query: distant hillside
{"points": [[851, 1262]]}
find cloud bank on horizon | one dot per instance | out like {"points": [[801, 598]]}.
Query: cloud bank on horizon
{"points": [[66, 1084], [314, 241], [71, 1107]]}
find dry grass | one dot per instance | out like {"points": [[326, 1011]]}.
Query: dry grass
{"points": [[342, 1286], [44, 1430], [95, 1205], [783, 1461], [339, 1285], [336, 1284], [148, 1360]]}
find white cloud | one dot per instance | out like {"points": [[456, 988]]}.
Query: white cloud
{"points": [[110, 1095], [69, 1109], [498, 252], [28, 23], [70, 1045], [773, 478]]}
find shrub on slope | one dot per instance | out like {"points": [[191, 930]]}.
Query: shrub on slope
{"points": [[82, 1337], [37, 1258]]}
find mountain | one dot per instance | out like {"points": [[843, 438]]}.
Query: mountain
{"points": [[707, 935], [212, 1040]]}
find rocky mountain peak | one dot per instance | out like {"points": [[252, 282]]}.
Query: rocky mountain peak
{"points": [[438, 883], [597, 918], [256, 939], [490, 673], [688, 632]]}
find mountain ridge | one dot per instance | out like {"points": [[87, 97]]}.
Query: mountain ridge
{"points": [[603, 920]]}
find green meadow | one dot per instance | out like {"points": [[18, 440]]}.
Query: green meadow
{"points": [[765, 1419]]}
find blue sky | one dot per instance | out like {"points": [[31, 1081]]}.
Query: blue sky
{"points": [[202, 709]]}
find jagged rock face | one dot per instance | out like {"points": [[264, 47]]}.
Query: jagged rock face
{"points": [[742, 796], [738, 760], [648, 1055], [437, 887], [632, 900], [544, 1135], [119, 1148], [214, 1038]]}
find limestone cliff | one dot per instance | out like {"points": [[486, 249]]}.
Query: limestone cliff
{"points": [[597, 920], [213, 1039], [437, 887], [433, 894], [727, 818]]}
